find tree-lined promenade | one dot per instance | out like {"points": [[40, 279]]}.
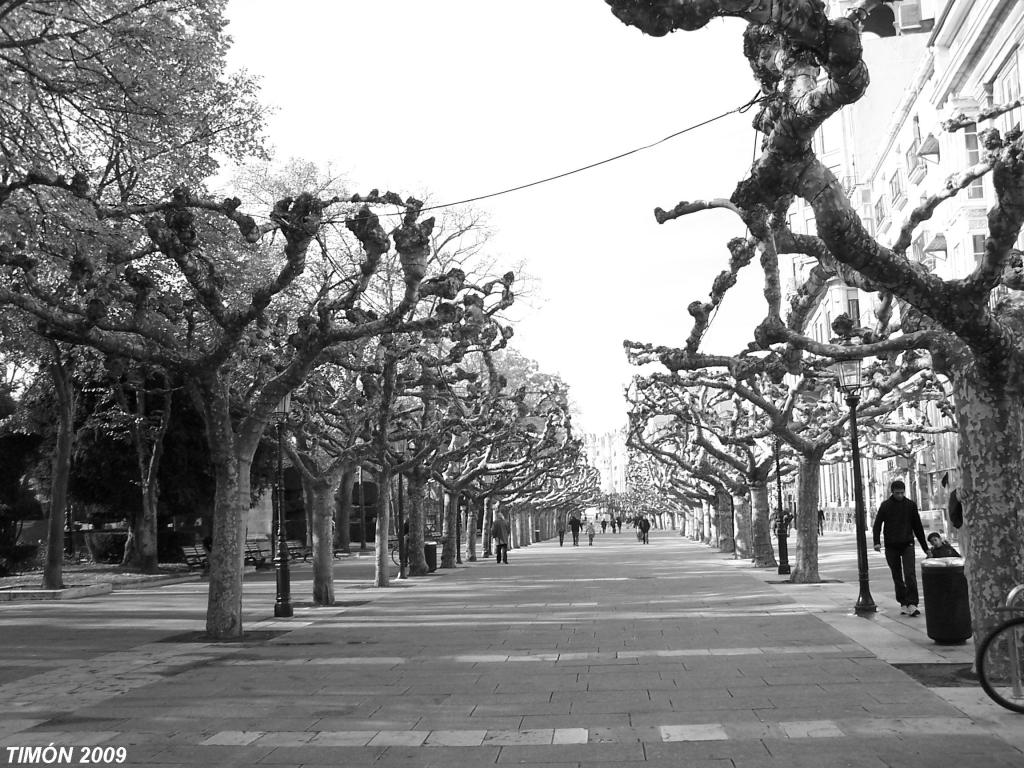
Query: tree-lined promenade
{"points": [[142, 292], [148, 317]]}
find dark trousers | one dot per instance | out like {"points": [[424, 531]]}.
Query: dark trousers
{"points": [[561, 538], [575, 538], [904, 572], [501, 552]]}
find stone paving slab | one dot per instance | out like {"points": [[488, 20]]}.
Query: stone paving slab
{"points": [[666, 654]]}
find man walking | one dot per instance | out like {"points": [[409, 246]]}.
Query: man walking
{"points": [[500, 533], [575, 525], [645, 526], [561, 528], [900, 523]]}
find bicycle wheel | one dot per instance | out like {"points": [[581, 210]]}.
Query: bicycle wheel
{"points": [[1000, 664]]}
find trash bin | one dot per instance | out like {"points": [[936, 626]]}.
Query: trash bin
{"points": [[536, 535], [947, 613], [430, 554]]}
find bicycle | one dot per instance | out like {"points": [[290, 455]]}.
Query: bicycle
{"points": [[393, 549], [1000, 659]]}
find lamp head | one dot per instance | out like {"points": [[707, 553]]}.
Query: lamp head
{"points": [[848, 374], [283, 408]]}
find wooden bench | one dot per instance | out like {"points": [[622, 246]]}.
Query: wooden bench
{"points": [[297, 550], [195, 557], [258, 552]]}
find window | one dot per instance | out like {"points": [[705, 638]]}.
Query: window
{"points": [[853, 304], [1005, 89], [880, 212], [917, 247], [976, 191], [896, 190], [916, 166], [978, 241]]}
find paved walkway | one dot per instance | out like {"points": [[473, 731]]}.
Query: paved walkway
{"points": [[619, 654]]}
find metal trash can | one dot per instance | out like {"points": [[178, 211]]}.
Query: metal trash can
{"points": [[947, 612], [536, 535], [430, 555]]}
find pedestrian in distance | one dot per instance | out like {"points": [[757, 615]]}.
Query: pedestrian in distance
{"points": [[645, 526], [821, 522], [575, 525], [561, 529], [899, 522], [940, 547], [591, 532], [604, 525], [500, 533]]}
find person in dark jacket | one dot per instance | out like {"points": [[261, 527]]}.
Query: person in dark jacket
{"points": [[645, 526], [501, 532], [575, 524], [900, 523]]}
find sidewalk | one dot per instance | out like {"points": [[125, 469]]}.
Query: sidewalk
{"points": [[619, 654]]}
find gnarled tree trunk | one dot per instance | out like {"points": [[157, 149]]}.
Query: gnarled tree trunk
{"points": [[723, 514], [53, 569], [990, 419], [804, 560], [764, 553], [321, 494], [231, 479], [415, 494], [744, 543]]}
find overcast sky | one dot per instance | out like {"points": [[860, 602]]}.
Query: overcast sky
{"points": [[459, 98]]}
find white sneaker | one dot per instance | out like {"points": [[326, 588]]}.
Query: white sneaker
{"points": [[912, 610], [904, 609]]}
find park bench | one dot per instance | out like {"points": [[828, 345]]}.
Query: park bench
{"points": [[195, 557], [297, 550], [258, 552]]}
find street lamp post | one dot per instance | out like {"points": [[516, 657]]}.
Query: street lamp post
{"points": [[783, 529], [283, 602], [849, 372]]}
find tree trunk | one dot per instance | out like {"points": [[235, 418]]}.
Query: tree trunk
{"points": [[723, 514], [804, 560], [764, 554], [140, 550], [321, 493], [489, 503], [471, 520], [344, 526], [744, 543], [224, 602], [382, 569], [53, 570], [991, 427], [449, 503], [415, 494]]}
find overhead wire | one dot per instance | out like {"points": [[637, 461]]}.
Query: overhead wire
{"points": [[737, 110], [757, 98]]}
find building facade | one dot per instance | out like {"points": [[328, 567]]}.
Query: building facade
{"points": [[606, 452], [950, 57]]}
